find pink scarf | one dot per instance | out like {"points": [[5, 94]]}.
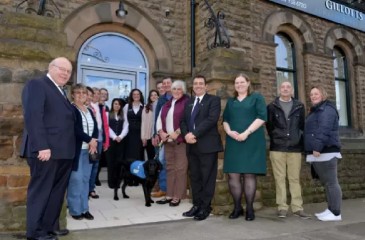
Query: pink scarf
{"points": [[106, 129]]}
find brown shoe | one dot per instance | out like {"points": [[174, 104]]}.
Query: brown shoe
{"points": [[158, 194]]}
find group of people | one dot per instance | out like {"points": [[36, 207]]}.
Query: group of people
{"points": [[60, 138]]}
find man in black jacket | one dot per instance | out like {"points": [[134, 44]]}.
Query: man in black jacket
{"points": [[199, 127], [285, 127]]}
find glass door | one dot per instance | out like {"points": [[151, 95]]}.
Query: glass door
{"points": [[118, 83]]}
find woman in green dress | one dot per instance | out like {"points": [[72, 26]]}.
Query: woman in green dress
{"points": [[245, 152]]}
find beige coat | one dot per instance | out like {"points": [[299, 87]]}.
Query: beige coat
{"points": [[148, 121]]}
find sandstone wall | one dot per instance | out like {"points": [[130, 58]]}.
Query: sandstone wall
{"points": [[28, 43]]}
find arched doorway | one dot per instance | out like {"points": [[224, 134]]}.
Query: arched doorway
{"points": [[113, 61]]}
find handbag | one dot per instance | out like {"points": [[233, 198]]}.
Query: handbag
{"points": [[93, 157]]}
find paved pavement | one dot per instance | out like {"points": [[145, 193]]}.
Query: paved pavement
{"points": [[110, 213], [129, 219]]}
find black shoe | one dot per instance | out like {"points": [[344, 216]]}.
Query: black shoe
{"points": [[77, 217], [97, 182], [192, 212], [164, 201], [48, 237], [175, 203], [250, 215], [61, 232], [236, 213], [201, 215], [88, 216], [93, 195]]}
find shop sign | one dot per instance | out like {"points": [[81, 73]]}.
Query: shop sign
{"points": [[330, 10]]}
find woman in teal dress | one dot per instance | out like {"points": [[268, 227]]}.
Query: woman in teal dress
{"points": [[245, 152]]}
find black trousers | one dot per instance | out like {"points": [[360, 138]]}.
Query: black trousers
{"points": [[46, 192], [203, 175], [115, 159], [150, 149]]}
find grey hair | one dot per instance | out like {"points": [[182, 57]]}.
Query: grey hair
{"points": [[179, 83]]}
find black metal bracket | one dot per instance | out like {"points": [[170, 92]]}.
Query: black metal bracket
{"points": [[42, 10], [221, 37]]}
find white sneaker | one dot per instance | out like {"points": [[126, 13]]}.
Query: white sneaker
{"points": [[330, 217], [325, 212]]}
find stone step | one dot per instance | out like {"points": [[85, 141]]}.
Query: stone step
{"points": [[32, 34], [31, 21], [15, 48]]}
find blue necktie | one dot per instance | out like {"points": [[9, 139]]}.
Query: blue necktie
{"points": [[193, 115]]}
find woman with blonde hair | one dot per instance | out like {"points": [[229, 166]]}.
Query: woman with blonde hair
{"points": [[322, 145]]}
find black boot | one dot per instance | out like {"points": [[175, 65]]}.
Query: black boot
{"points": [[250, 215]]}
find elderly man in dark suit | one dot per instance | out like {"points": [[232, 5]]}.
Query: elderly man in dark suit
{"points": [[199, 126], [49, 146]]}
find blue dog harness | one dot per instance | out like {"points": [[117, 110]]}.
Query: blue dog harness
{"points": [[137, 169]]}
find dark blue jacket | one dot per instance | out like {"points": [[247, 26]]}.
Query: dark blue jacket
{"points": [[161, 101], [49, 121], [321, 129], [81, 136]]}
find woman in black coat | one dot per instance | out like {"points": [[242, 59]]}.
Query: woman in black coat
{"points": [[86, 142]]}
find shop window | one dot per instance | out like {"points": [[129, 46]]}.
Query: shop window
{"points": [[342, 86], [285, 61]]}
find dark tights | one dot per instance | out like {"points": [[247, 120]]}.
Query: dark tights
{"points": [[239, 183]]}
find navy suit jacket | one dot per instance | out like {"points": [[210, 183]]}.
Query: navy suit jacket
{"points": [[49, 121], [206, 130]]}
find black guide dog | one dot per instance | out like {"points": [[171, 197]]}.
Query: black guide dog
{"points": [[151, 168]]}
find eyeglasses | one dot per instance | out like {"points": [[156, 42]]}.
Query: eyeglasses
{"points": [[63, 70], [79, 92]]}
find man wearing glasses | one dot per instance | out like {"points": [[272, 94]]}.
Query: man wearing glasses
{"points": [[49, 146]]}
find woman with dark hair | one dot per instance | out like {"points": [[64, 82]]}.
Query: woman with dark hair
{"points": [[118, 130], [245, 153], [322, 145], [133, 113], [86, 142], [148, 122]]}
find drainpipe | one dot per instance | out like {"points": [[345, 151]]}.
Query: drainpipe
{"points": [[192, 35]]}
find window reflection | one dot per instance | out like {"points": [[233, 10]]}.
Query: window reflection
{"points": [[285, 61], [341, 86], [113, 49]]}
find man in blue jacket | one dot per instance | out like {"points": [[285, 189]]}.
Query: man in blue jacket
{"points": [[49, 146], [166, 84]]}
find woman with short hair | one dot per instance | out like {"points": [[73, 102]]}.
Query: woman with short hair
{"points": [[168, 128], [86, 142]]}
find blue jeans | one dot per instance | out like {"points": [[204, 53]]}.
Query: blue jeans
{"points": [[94, 170], [77, 190], [162, 176]]}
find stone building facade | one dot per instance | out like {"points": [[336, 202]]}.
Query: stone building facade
{"points": [[160, 30]]}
